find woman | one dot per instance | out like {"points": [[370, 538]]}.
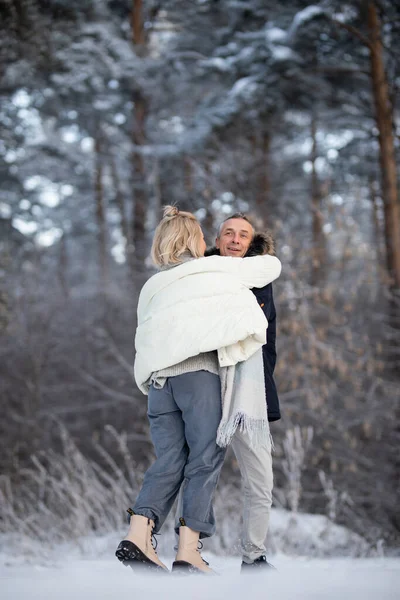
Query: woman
{"points": [[195, 316]]}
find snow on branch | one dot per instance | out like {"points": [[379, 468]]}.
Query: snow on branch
{"points": [[304, 16], [244, 88], [313, 11]]}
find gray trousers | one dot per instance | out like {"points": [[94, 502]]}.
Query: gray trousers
{"points": [[257, 482], [184, 416]]}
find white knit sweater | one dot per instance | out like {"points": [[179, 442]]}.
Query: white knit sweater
{"points": [[201, 305]]}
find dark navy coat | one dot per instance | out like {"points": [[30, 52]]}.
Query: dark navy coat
{"points": [[263, 244], [265, 299]]}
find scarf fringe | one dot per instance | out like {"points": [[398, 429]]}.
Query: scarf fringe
{"points": [[256, 429]]}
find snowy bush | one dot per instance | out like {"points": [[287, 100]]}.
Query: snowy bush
{"points": [[65, 498]]}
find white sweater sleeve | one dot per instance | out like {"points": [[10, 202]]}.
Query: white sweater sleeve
{"points": [[254, 271]]}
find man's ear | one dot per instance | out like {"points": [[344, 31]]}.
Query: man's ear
{"points": [[217, 243]]}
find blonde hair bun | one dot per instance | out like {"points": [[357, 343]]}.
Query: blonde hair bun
{"points": [[179, 232], [170, 211]]}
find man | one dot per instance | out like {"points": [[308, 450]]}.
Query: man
{"points": [[236, 237]]}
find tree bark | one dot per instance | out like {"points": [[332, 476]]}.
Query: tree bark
{"points": [[119, 199], [376, 228], [208, 221], [264, 183], [138, 139], [384, 120], [188, 176], [158, 188], [139, 179], [138, 32], [63, 266], [318, 238], [100, 216]]}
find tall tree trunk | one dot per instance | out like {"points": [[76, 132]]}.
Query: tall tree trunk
{"points": [[263, 188], [139, 139], [384, 120], [208, 221], [318, 237], [100, 215], [63, 265], [120, 202], [139, 179], [376, 228], [4, 295], [188, 176], [158, 188], [207, 190], [138, 31]]}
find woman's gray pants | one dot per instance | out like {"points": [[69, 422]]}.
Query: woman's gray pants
{"points": [[184, 416]]}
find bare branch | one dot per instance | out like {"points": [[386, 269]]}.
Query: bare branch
{"points": [[354, 31], [338, 70], [119, 357], [105, 389]]}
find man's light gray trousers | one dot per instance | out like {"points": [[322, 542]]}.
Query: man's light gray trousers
{"points": [[257, 482]]}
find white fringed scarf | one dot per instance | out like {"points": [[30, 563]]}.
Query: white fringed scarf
{"points": [[243, 401]]}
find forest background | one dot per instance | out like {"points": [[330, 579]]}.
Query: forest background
{"points": [[288, 111]]}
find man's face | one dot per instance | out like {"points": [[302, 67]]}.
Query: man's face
{"points": [[235, 238]]}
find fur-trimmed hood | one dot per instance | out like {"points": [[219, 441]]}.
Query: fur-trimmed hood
{"points": [[262, 243]]}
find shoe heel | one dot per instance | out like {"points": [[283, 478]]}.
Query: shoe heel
{"points": [[131, 556], [124, 554], [182, 568]]}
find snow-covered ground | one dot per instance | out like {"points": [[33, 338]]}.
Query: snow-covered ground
{"points": [[315, 559], [295, 579]]}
